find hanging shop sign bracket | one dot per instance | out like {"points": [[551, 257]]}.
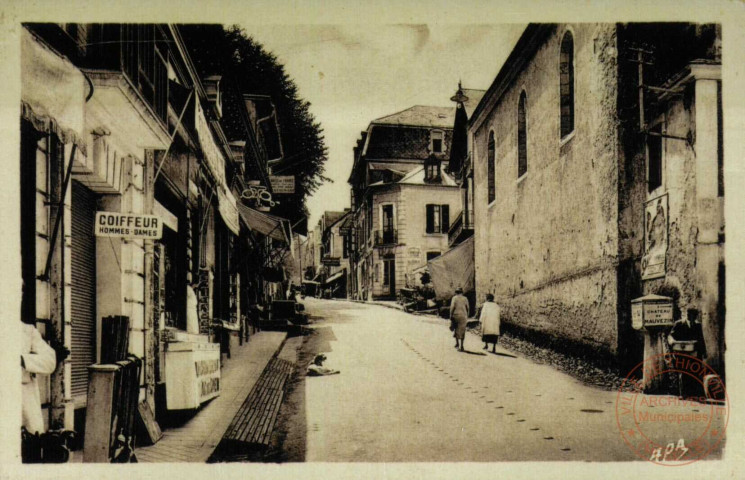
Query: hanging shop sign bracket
{"points": [[260, 195], [58, 219]]}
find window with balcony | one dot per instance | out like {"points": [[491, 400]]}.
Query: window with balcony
{"points": [[438, 218], [387, 233], [144, 55]]}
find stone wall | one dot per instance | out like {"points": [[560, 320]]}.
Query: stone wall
{"points": [[547, 246]]}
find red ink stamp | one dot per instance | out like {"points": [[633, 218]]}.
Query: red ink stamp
{"points": [[668, 429]]}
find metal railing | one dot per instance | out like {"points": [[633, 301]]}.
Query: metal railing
{"points": [[461, 224], [386, 237]]}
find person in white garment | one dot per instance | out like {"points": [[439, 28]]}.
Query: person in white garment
{"points": [[490, 323], [37, 357], [192, 309]]}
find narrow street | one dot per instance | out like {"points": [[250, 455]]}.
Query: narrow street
{"points": [[405, 394]]}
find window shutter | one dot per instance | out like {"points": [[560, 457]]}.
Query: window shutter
{"points": [[445, 218], [430, 218]]}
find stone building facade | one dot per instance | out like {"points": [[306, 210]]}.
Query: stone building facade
{"points": [[334, 253], [402, 198], [563, 174]]}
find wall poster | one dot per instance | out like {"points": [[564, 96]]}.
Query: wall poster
{"points": [[655, 238]]}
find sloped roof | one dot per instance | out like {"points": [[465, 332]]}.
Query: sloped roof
{"points": [[420, 116], [474, 97], [330, 218], [416, 177]]}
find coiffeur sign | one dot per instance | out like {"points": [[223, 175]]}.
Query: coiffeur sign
{"points": [[128, 225]]}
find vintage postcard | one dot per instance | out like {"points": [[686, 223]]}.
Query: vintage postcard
{"points": [[325, 240]]}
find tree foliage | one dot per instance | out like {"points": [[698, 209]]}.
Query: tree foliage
{"points": [[244, 62]]}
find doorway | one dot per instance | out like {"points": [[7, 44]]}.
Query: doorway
{"points": [[389, 276]]}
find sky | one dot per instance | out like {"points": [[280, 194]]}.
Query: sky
{"points": [[353, 74]]}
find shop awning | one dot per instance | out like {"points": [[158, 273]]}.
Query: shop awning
{"points": [[453, 269], [228, 209], [335, 277], [265, 224], [53, 92]]}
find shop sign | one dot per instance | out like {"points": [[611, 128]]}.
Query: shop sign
{"points": [[258, 196], [655, 238], [331, 261], [203, 301], [215, 160], [208, 377], [651, 311], [128, 225], [282, 184]]}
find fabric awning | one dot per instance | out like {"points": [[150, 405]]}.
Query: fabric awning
{"points": [[265, 224], [52, 92], [227, 206], [335, 277], [453, 269]]}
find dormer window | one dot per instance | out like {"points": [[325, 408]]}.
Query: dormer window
{"points": [[214, 95], [432, 169], [437, 141]]}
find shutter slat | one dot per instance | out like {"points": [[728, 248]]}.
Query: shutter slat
{"points": [[83, 298]]}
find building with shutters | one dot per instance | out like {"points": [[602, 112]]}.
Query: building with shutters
{"points": [[334, 249], [592, 188], [117, 121], [403, 199]]}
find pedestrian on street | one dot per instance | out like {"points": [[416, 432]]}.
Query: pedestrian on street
{"points": [[459, 317], [490, 322], [37, 357]]}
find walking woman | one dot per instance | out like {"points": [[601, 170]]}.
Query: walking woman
{"points": [[490, 320], [459, 317]]}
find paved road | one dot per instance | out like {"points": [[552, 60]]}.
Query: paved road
{"points": [[405, 394]]}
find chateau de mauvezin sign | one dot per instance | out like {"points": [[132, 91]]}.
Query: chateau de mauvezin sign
{"points": [[128, 225], [282, 184]]}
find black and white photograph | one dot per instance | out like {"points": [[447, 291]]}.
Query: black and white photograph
{"points": [[488, 246]]}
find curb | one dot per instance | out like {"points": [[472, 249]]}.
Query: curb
{"points": [[394, 307]]}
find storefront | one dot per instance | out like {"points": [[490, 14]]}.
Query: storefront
{"points": [[52, 98]]}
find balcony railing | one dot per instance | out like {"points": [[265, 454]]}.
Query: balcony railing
{"points": [[386, 237], [461, 228]]}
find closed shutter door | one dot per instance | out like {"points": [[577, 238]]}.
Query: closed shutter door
{"points": [[83, 351]]}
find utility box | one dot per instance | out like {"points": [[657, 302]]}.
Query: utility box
{"points": [[651, 311], [652, 314]]}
